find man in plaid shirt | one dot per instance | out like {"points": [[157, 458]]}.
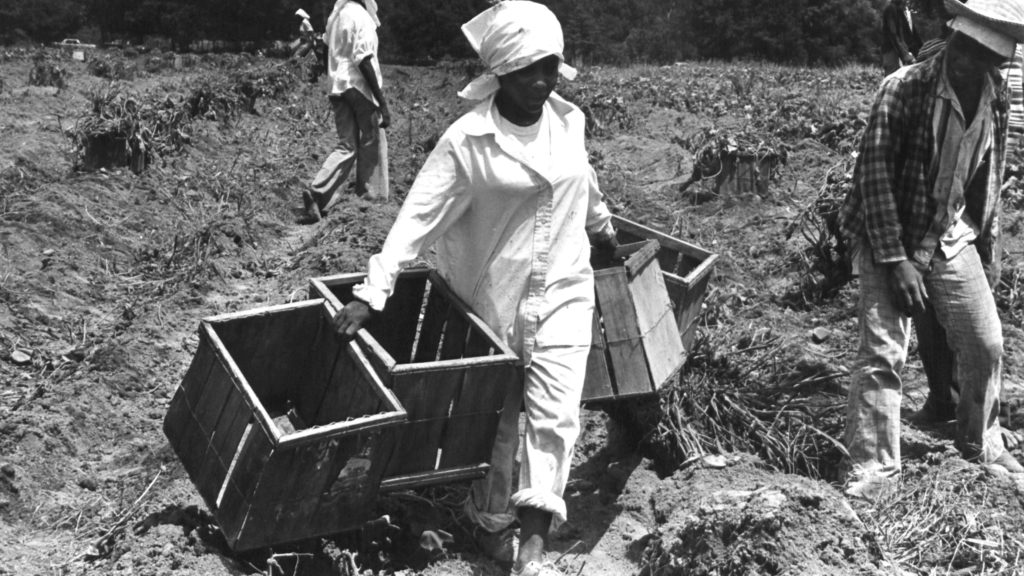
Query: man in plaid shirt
{"points": [[922, 221]]}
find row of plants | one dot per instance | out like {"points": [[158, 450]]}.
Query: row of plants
{"points": [[123, 128]]}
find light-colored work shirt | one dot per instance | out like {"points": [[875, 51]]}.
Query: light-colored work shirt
{"points": [[510, 229], [959, 150], [351, 37]]}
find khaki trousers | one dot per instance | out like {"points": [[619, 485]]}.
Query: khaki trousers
{"points": [[360, 142]]}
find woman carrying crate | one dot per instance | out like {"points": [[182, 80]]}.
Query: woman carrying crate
{"points": [[508, 199]]}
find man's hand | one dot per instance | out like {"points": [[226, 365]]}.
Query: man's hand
{"points": [[907, 286], [385, 116], [351, 318]]}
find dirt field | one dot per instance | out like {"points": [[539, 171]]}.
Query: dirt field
{"points": [[105, 274]]}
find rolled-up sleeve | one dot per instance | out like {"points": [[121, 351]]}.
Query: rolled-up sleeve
{"points": [[437, 198], [599, 218]]}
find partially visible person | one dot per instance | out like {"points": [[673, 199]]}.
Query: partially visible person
{"points": [[511, 203], [306, 32], [307, 42], [360, 110], [936, 357], [922, 219], [900, 41]]}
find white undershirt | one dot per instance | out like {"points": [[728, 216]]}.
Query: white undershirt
{"points": [[534, 139]]}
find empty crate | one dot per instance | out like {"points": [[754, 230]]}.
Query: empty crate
{"points": [[447, 368], [646, 312], [636, 344], [685, 267], [280, 425]]}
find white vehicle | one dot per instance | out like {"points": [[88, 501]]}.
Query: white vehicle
{"points": [[73, 43]]}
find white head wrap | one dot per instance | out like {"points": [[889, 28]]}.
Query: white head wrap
{"points": [[370, 5], [511, 35], [302, 14]]}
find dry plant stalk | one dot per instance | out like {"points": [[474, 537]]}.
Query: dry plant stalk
{"points": [[748, 399], [825, 255], [945, 522]]}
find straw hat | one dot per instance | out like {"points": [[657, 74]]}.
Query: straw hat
{"points": [[996, 24]]}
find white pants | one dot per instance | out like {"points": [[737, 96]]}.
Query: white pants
{"points": [[551, 392]]}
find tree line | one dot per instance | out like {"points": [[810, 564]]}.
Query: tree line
{"points": [[811, 32]]}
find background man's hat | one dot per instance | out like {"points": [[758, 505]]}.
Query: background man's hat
{"points": [[997, 24], [301, 13]]}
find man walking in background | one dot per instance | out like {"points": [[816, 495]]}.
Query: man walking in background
{"points": [[360, 110], [900, 41], [922, 220]]}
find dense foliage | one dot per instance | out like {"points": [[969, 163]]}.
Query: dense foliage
{"points": [[597, 31]]}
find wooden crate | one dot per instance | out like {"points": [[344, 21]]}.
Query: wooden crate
{"points": [[746, 173], [636, 345], [279, 425], [685, 267], [447, 368]]}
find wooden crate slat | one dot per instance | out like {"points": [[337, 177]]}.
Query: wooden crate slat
{"points": [[599, 382], [417, 447], [395, 329], [243, 340], [688, 306], [234, 506], [346, 395], [426, 394], [427, 399], [469, 439], [432, 326], [432, 478], [483, 388], [456, 331], [179, 416], [196, 439], [286, 349], [478, 344], [287, 481], [348, 497], [662, 343], [629, 231], [641, 256], [224, 437], [615, 302], [317, 465], [315, 376], [479, 327], [622, 333], [281, 477]]}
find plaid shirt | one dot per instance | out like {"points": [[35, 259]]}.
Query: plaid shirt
{"points": [[891, 205]]}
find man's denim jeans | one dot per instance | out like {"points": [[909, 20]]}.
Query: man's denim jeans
{"points": [[965, 307]]}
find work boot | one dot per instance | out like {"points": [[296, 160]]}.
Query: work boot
{"points": [[933, 412]]}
